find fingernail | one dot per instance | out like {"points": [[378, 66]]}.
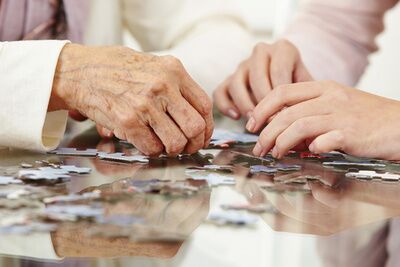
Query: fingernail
{"points": [[251, 124], [275, 153], [257, 150], [233, 114]]}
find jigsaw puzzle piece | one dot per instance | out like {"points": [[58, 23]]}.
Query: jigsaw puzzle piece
{"points": [[75, 152], [121, 157]]}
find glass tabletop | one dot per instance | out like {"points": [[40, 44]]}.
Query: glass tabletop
{"points": [[312, 215]]}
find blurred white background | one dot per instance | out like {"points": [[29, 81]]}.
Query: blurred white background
{"points": [[268, 18]]}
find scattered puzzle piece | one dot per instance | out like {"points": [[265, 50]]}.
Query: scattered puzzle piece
{"points": [[213, 179], [74, 169], [262, 208], [353, 164], [121, 157], [232, 218], [369, 175], [75, 152], [43, 175], [274, 168], [220, 134], [221, 168], [5, 180]]}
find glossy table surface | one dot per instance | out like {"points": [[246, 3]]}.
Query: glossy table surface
{"points": [[338, 221]]}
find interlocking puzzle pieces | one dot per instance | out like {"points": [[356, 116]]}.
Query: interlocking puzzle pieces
{"points": [[370, 175], [231, 218], [121, 157], [272, 169], [75, 152]]}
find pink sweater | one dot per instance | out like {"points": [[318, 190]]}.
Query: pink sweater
{"points": [[20, 18], [336, 37]]}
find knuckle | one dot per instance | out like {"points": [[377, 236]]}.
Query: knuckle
{"points": [[127, 119], [260, 47], [159, 87], [143, 104], [207, 105], [196, 128], [302, 125], [286, 115], [177, 145], [173, 63]]}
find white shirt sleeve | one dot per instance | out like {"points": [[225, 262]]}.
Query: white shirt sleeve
{"points": [[209, 36], [27, 70]]}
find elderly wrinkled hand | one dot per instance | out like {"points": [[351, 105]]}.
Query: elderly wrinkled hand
{"points": [[269, 66], [147, 100], [327, 116]]}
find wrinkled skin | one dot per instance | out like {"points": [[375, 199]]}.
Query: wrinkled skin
{"points": [[327, 116], [269, 66], [150, 101]]}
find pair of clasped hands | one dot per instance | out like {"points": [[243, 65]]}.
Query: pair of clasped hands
{"points": [[153, 103]]}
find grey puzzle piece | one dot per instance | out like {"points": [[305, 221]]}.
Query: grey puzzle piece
{"points": [[121, 157], [75, 152], [369, 175], [5, 180], [74, 169], [43, 174]]}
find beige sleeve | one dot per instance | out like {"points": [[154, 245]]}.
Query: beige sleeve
{"points": [[26, 77]]}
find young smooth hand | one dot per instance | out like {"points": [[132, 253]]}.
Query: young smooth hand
{"points": [[150, 101], [327, 116], [268, 67]]}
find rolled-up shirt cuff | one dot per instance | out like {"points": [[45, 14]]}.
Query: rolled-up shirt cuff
{"points": [[27, 71]]}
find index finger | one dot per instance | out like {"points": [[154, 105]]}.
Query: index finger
{"points": [[196, 96], [283, 96]]}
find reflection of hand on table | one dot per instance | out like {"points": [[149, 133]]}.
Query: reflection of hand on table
{"points": [[176, 215]]}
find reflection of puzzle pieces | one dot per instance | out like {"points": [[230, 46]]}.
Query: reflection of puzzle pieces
{"points": [[5, 180], [274, 168], [75, 152], [43, 174], [213, 179], [74, 169], [121, 157], [232, 218], [353, 164], [260, 208], [221, 168], [369, 175]]}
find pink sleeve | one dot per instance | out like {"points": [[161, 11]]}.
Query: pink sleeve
{"points": [[336, 37]]}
